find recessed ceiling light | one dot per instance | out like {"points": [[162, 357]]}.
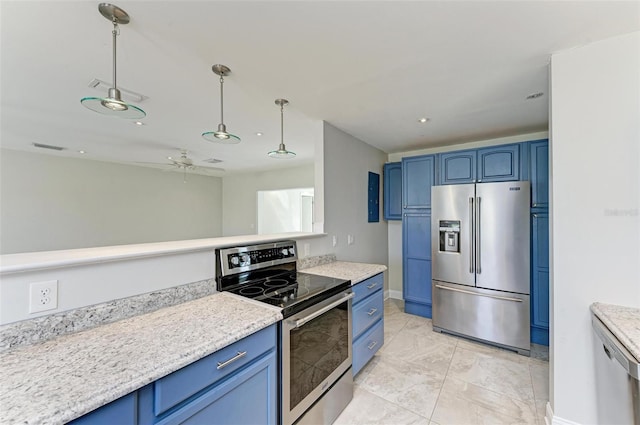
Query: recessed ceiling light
{"points": [[258, 134], [534, 95], [138, 123], [81, 151], [424, 119]]}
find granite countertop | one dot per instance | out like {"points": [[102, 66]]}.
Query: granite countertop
{"points": [[623, 322], [355, 272], [61, 379]]}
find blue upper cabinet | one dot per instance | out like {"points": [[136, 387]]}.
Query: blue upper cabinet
{"points": [[458, 167], [417, 179], [539, 171], [499, 163], [392, 182], [492, 164]]}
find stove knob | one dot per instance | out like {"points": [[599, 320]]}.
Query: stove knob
{"points": [[292, 296], [235, 261], [285, 251], [245, 259], [284, 299]]}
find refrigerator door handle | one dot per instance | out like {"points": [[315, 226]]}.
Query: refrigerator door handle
{"points": [[471, 253], [478, 241], [518, 300]]}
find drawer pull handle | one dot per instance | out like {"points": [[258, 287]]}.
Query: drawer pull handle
{"points": [[373, 285], [372, 311], [373, 344], [238, 356]]}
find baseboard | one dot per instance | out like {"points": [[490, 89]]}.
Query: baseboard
{"points": [[550, 419], [395, 294]]}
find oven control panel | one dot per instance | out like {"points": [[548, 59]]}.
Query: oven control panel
{"points": [[240, 259], [259, 256]]}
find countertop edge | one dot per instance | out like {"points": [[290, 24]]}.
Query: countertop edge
{"points": [[616, 319], [353, 271]]}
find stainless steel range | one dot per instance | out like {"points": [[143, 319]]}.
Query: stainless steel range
{"points": [[315, 354]]}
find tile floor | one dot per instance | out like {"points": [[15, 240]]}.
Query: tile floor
{"points": [[424, 377]]}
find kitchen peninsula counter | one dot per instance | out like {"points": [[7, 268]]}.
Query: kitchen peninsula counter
{"points": [[623, 322], [64, 378], [355, 272]]}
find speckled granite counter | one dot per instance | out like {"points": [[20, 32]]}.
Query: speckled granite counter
{"points": [[58, 380], [355, 272], [623, 322]]}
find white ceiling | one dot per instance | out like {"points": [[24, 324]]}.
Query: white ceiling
{"points": [[369, 68]]}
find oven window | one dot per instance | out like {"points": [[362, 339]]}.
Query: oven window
{"points": [[317, 348]]}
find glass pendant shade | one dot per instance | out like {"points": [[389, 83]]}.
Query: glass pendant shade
{"points": [[113, 104], [282, 152], [222, 135]]}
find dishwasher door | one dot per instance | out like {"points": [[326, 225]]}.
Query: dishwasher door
{"points": [[618, 388]]}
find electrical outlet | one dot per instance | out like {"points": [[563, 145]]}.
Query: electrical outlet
{"points": [[335, 240], [43, 296], [306, 249], [351, 240]]}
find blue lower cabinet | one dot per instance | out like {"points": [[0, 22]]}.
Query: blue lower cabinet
{"points": [[368, 320], [212, 390], [123, 411]]}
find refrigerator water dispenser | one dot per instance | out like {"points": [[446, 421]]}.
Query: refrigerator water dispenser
{"points": [[450, 235]]}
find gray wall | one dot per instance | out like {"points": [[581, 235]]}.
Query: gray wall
{"points": [[49, 203], [347, 163]]}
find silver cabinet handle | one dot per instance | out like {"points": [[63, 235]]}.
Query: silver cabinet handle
{"points": [[323, 310], [471, 218], [372, 312], [373, 344], [479, 241], [518, 300], [373, 285], [238, 356]]}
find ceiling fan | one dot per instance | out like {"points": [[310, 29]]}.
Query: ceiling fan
{"points": [[183, 163]]}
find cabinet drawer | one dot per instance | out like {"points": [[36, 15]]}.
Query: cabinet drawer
{"points": [[367, 287], [183, 383], [367, 345], [122, 411], [366, 313]]}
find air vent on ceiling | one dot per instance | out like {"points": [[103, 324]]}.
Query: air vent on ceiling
{"points": [[127, 94], [212, 160], [43, 146]]}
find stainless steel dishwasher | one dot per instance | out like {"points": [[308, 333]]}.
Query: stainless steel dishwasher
{"points": [[617, 373]]}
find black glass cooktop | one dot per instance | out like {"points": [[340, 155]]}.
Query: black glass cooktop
{"points": [[290, 290]]}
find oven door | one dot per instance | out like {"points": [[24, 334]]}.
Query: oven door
{"points": [[316, 352]]}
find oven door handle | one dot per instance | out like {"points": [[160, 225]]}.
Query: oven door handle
{"points": [[323, 310]]}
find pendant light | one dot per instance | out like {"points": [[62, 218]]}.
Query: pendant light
{"points": [[221, 136], [113, 104], [282, 152]]}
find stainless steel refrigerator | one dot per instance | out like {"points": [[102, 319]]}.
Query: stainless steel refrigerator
{"points": [[480, 262]]}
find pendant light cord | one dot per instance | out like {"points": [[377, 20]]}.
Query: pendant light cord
{"points": [[115, 33], [221, 99], [281, 125]]}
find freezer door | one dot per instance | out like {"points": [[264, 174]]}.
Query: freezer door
{"points": [[502, 236], [452, 233]]}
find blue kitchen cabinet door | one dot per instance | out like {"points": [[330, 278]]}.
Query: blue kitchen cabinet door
{"points": [[539, 173], [416, 285], [392, 191], [540, 279], [122, 411], [417, 178], [458, 167], [499, 163], [248, 397]]}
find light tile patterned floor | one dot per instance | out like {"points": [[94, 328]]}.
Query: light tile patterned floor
{"points": [[424, 377]]}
